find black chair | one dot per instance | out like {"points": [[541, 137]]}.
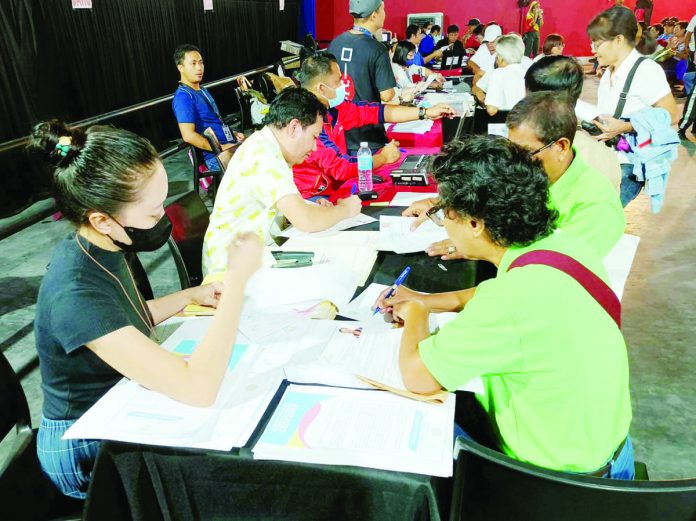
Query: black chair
{"points": [[189, 217], [266, 87], [140, 276], [25, 493], [201, 170], [489, 485], [244, 101]]}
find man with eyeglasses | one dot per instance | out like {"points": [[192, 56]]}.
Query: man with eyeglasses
{"points": [[545, 124]]}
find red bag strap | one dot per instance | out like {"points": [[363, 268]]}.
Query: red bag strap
{"points": [[595, 286]]}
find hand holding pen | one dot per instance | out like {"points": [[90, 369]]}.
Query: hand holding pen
{"points": [[380, 306]]}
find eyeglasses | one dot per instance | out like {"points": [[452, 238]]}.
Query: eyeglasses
{"points": [[547, 145], [596, 45], [437, 214]]}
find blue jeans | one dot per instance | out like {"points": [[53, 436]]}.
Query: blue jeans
{"points": [[67, 463], [623, 467], [689, 78], [630, 186], [213, 164]]}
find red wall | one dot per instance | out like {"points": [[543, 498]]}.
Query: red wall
{"points": [[567, 17]]}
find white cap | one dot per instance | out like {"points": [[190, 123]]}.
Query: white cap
{"points": [[492, 32], [363, 143]]}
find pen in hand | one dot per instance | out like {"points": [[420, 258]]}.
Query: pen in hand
{"points": [[399, 281]]}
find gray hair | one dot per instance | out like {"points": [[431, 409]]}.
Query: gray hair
{"points": [[510, 48]]}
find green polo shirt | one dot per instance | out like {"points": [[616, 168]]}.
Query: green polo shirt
{"points": [[553, 362], [588, 205]]}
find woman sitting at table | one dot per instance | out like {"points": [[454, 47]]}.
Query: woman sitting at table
{"points": [[403, 73], [552, 359], [92, 325]]}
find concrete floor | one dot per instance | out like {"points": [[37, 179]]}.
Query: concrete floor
{"points": [[659, 308]]}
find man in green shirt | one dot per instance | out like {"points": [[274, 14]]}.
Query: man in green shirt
{"points": [[545, 124], [553, 361]]}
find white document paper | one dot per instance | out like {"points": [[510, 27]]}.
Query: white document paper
{"points": [[408, 198], [345, 224], [132, 413], [362, 428], [273, 287], [498, 129], [352, 239], [396, 234], [361, 307], [618, 262], [413, 127]]}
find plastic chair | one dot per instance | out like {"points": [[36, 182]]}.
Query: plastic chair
{"points": [[244, 101], [25, 493], [490, 485], [190, 218], [201, 170], [266, 87]]}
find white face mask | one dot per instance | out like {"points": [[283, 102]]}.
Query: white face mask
{"points": [[427, 31]]}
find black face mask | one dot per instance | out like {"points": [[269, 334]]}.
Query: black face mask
{"points": [[145, 239]]}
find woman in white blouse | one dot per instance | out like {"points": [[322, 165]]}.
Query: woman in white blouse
{"points": [[404, 53], [613, 34]]}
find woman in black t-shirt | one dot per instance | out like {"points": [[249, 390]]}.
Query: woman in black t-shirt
{"points": [[92, 325]]}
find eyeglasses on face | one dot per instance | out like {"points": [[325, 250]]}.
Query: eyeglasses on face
{"points": [[547, 145]]}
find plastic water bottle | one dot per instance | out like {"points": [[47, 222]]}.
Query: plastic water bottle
{"points": [[364, 167]]}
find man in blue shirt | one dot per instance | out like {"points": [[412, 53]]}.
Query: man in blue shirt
{"points": [[195, 108]]}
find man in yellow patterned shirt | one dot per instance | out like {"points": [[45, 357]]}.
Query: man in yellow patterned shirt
{"points": [[257, 189]]}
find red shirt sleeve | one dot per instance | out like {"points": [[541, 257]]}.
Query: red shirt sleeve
{"points": [[358, 114]]}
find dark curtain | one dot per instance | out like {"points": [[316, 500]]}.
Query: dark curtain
{"points": [[75, 64]]}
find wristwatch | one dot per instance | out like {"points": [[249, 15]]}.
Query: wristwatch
{"points": [[421, 113]]}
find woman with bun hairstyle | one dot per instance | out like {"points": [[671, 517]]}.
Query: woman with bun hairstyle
{"points": [[92, 326]]}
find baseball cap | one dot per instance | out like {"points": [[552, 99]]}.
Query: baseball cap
{"points": [[474, 21], [363, 8], [492, 32]]}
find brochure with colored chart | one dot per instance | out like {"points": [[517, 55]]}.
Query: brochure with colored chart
{"points": [[364, 428], [132, 413]]}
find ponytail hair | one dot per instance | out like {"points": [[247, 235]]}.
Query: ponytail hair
{"points": [[98, 169]]}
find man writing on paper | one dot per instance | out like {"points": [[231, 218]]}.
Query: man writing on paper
{"points": [[258, 190], [555, 375], [330, 165], [545, 124]]}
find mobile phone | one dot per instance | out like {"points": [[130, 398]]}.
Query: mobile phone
{"points": [[591, 128]]}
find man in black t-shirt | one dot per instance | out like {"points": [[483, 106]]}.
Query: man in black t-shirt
{"points": [[365, 65]]}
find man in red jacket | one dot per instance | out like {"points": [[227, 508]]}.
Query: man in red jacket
{"points": [[327, 168]]}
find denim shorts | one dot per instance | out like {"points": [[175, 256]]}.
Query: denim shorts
{"points": [[67, 463]]}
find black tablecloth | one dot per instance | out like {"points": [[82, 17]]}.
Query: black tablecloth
{"points": [[157, 483]]}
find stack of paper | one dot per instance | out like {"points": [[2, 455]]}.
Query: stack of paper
{"points": [[131, 413], [356, 259], [396, 234], [272, 287], [360, 428]]}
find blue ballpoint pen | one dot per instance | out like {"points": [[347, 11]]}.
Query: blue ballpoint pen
{"points": [[396, 284]]}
